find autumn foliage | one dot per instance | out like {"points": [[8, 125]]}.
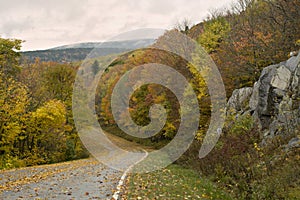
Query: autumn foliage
{"points": [[36, 124]]}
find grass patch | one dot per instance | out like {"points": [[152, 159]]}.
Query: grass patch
{"points": [[173, 182]]}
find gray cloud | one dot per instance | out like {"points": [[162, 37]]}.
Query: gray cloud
{"points": [[45, 24]]}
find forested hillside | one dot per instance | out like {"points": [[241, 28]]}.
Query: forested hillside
{"points": [[242, 41]]}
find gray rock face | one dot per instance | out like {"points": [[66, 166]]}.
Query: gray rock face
{"points": [[239, 101], [264, 90], [274, 99], [292, 63], [282, 78], [296, 82], [254, 97]]}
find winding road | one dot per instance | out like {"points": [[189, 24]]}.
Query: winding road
{"points": [[80, 179]]}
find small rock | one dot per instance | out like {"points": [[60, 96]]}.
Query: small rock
{"points": [[239, 101]]}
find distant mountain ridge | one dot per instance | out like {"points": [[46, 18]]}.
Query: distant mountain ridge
{"points": [[77, 52], [126, 44]]}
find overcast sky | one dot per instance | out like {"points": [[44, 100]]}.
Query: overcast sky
{"points": [[45, 24]]}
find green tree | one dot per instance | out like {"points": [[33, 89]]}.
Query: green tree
{"points": [[58, 81], [215, 31], [9, 56], [95, 67]]}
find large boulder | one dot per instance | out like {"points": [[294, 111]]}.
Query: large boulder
{"points": [[274, 100]]}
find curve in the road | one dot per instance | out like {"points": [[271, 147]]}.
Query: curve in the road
{"points": [[116, 195]]}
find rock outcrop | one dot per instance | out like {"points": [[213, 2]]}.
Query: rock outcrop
{"points": [[274, 100]]}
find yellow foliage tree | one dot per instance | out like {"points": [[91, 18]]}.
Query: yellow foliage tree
{"points": [[13, 103], [47, 127]]}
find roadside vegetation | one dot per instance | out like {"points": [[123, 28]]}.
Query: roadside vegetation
{"points": [[173, 182]]}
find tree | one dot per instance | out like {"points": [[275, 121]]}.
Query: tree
{"points": [[264, 32], [36, 121], [58, 81], [183, 26], [215, 31], [13, 96], [13, 103], [9, 56], [47, 126], [95, 67]]}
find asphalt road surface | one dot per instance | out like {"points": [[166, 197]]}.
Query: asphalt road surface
{"points": [[82, 179]]}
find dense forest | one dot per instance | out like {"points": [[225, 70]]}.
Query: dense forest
{"points": [[36, 116], [37, 127]]}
